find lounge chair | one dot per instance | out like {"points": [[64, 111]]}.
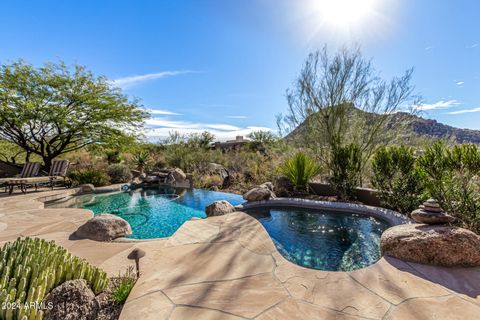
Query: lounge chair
{"points": [[29, 170], [57, 173]]}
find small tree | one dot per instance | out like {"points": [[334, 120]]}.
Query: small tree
{"points": [[397, 178], [261, 140], [55, 109], [339, 100]]}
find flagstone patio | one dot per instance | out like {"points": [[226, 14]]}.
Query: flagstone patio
{"points": [[228, 268]]}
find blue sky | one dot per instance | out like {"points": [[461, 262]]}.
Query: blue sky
{"points": [[224, 65]]}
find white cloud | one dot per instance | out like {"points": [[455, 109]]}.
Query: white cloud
{"points": [[429, 48], [163, 112], [460, 83], [236, 117], [161, 127], [130, 81], [442, 104], [473, 46], [465, 111]]}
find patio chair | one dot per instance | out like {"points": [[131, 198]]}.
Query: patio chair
{"points": [[29, 170], [58, 172]]}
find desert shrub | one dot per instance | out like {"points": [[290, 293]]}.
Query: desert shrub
{"points": [[209, 182], [112, 156], [453, 178], [89, 175], [125, 285], [31, 268], [261, 140], [397, 178], [119, 173], [346, 166], [300, 169]]}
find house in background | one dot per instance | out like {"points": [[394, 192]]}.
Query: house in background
{"points": [[230, 144]]}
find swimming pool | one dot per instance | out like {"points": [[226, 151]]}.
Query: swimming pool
{"points": [[155, 213], [322, 239]]}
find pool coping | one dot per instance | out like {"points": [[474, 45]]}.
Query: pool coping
{"points": [[392, 217]]}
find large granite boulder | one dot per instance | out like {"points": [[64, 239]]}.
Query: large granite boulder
{"points": [[267, 185], [72, 300], [222, 172], [104, 227], [219, 208], [258, 194], [435, 245], [178, 175], [86, 188]]}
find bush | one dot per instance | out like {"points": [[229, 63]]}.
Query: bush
{"points": [[90, 175], [397, 178], [345, 166], [31, 268], [122, 290], [210, 182], [453, 178], [299, 170], [119, 173]]}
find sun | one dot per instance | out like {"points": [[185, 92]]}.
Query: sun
{"points": [[344, 13]]}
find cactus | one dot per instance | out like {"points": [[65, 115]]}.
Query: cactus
{"points": [[31, 268]]}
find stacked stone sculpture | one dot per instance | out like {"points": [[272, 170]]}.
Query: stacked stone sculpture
{"points": [[431, 213]]}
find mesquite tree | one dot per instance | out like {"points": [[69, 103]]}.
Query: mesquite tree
{"points": [[339, 100], [57, 109]]}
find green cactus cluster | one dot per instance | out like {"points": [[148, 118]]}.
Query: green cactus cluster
{"points": [[30, 268]]}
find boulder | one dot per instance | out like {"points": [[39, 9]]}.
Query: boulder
{"points": [[104, 227], [258, 194], [431, 217], [151, 179], [72, 300], [267, 185], [178, 174], [135, 173], [219, 170], [86, 188], [434, 245], [219, 208], [136, 181]]}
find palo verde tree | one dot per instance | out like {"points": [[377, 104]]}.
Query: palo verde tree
{"points": [[57, 109], [339, 102]]}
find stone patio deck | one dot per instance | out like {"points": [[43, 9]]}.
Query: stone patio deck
{"points": [[228, 268]]}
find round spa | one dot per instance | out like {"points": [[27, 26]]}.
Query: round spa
{"points": [[324, 235]]}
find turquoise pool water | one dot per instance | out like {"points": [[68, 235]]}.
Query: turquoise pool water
{"points": [[322, 239], [155, 213]]}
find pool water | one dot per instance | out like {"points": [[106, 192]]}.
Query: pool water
{"points": [[155, 213], [324, 240]]}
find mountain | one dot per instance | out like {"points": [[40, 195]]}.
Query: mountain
{"points": [[432, 129], [414, 130]]}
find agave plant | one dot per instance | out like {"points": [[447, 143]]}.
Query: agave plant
{"points": [[300, 169], [141, 160]]}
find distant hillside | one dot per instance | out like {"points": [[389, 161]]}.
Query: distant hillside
{"points": [[417, 131]]}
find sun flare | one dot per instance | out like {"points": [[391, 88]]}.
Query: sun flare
{"points": [[344, 13], [342, 21]]}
